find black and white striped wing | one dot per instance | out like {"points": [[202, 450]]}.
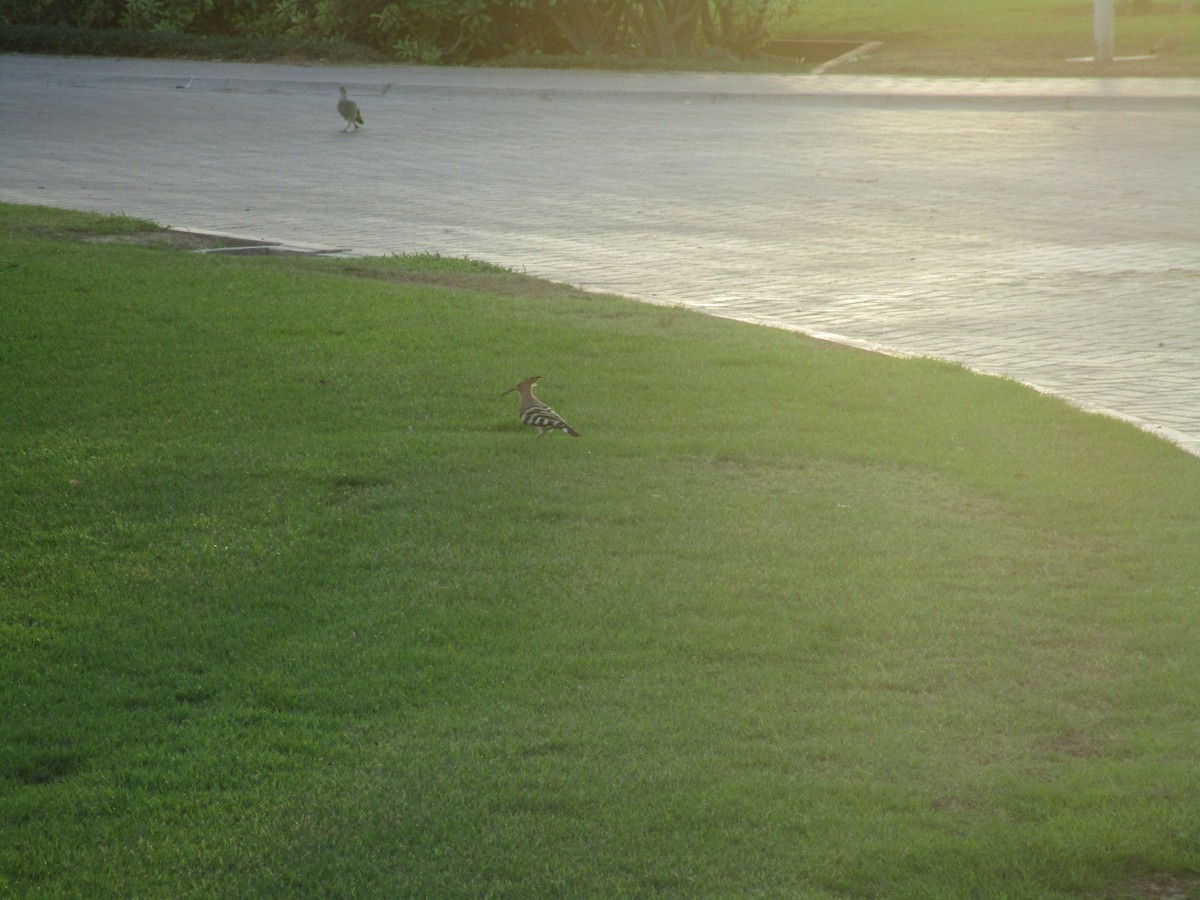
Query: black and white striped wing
{"points": [[542, 416]]}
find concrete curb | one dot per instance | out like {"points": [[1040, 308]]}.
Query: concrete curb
{"points": [[815, 94], [862, 90]]}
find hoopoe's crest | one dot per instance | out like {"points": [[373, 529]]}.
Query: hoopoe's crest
{"points": [[535, 413]]}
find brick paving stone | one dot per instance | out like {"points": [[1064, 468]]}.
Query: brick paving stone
{"points": [[1041, 229]]}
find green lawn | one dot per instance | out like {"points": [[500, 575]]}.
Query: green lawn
{"points": [[998, 37], [293, 605]]}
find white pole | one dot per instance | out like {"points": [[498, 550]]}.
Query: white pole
{"points": [[1102, 27]]}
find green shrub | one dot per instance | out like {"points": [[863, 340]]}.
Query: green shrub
{"points": [[437, 30], [75, 41]]}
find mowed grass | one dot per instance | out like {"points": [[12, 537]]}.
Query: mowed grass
{"points": [[293, 605], [1000, 37]]}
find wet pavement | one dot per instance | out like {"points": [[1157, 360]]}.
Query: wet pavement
{"points": [[1047, 230]]}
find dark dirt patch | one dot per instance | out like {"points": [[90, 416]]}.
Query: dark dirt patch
{"points": [[1160, 886], [178, 240], [473, 277]]}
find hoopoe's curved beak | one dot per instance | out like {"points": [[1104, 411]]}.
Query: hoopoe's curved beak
{"points": [[523, 385]]}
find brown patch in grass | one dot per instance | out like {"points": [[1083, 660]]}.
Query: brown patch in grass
{"points": [[502, 282], [492, 280], [1159, 886], [1074, 743], [169, 238]]}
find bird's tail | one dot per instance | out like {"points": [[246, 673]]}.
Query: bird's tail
{"points": [[572, 432]]}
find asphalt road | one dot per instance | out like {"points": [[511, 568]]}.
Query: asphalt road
{"points": [[1047, 230]]}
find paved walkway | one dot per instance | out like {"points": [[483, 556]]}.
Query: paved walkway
{"points": [[1044, 229]]}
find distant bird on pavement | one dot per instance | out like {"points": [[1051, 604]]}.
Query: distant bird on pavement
{"points": [[535, 413], [1168, 43], [350, 112]]}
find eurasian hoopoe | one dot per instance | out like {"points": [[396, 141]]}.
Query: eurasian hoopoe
{"points": [[535, 413], [349, 110]]}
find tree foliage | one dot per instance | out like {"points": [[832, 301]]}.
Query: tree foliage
{"points": [[442, 30]]}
